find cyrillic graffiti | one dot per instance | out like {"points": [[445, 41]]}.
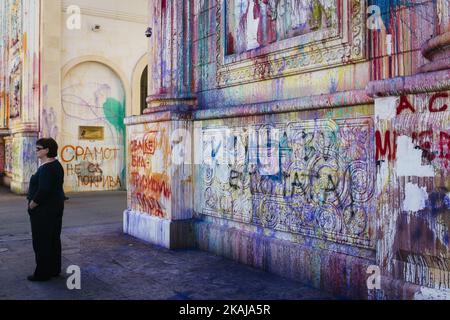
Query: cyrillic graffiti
{"points": [[434, 144], [146, 145], [71, 153], [150, 205], [317, 175], [108, 182], [85, 164], [148, 184], [138, 162], [432, 107], [77, 169], [386, 148], [154, 184]]}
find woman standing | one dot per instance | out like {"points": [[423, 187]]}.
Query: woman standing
{"points": [[45, 207]]}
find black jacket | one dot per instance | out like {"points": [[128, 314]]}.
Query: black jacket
{"points": [[46, 185]]}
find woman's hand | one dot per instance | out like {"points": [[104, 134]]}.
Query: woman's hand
{"points": [[32, 205]]}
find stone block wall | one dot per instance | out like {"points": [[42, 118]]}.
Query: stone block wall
{"points": [[317, 138]]}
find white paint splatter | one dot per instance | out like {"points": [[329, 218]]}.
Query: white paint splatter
{"points": [[389, 44], [415, 197], [385, 108], [409, 160], [157, 162], [389, 215], [432, 294]]}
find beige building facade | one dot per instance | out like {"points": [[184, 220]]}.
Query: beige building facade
{"points": [[71, 70]]}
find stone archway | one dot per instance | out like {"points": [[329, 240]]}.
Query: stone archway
{"points": [[99, 59], [92, 146]]}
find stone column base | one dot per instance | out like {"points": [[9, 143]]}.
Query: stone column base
{"points": [[176, 234], [339, 274]]}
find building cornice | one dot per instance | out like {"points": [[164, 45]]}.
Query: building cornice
{"points": [[418, 83], [109, 14]]}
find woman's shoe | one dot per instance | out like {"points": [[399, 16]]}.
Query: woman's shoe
{"points": [[37, 279]]}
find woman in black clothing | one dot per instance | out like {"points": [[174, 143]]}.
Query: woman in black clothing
{"points": [[45, 207]]}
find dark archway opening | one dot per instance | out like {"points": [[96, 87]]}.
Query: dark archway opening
{"points": [[144, 89]]}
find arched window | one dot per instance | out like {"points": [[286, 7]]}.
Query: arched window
{"points": [[144, 89]]}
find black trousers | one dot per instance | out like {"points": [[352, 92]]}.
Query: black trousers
{"points": [[46, 224]]}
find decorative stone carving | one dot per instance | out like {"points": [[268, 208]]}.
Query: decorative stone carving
{"points": [[317, 178], [318, 44]]}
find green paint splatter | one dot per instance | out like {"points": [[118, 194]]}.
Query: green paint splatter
{"points": [[115, 113]]}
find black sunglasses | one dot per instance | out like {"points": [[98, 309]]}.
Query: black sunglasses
{"points": [[40, 148]]}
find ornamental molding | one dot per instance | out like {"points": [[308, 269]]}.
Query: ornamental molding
{"points": [[343, 44], [109, 14]]}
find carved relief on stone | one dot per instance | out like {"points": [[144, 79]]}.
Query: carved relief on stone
{"points": [[313, 177]]}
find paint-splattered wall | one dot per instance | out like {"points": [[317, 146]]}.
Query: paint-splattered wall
{"points": [[71, 83], [10, 83], [19, 85], [20, 61], [96, 91], [252, 24], [370, 183], [8, 157], [2, 157], [316, 178], [278, 58], [413, 153], [3, 65], [320, 139], [393, 49], [149, 187]]}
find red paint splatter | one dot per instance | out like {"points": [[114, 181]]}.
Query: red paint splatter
{"points": [[433, 99], [404, 104], [387, 148]]}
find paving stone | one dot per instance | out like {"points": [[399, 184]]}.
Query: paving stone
{"points": [[115, 266]]}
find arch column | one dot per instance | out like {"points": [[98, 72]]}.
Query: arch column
{"points": [[99, 59], [160, 181], [170, 70]]}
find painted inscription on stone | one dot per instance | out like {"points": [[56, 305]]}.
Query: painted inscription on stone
{"points": [[313, 177], [149, 183], [89, 166]]}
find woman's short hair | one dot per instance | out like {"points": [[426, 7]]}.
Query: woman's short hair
{"points": [[50, 144]]}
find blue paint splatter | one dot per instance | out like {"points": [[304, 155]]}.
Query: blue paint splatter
{"points": [[387, 7]]}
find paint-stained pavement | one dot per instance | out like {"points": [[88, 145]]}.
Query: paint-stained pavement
{"points": [[117, 266]]}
